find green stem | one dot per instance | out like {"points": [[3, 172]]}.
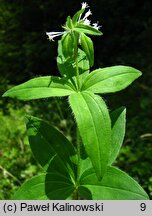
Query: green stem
{"points": [[76, 38], [76, 195], [77, 72], [76, 62], [78, 152]]}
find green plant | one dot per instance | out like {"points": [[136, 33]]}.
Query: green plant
{"points": [[16, 164], [84, 170]]}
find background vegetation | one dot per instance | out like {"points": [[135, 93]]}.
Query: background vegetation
{"points": [[25, 52]]}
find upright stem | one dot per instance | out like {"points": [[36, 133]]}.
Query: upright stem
{"points": [[76, 195], [76, 61], [76, 38], [77, 72]]}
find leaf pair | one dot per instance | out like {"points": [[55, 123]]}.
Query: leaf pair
{"points": [[104, 80], [58, 180], [116, 185], [90, 110]]}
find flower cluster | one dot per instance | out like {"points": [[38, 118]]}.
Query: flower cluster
{"points": [[80, 20], [85, 19]]}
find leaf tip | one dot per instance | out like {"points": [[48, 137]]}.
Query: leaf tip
{"points": [[5, 94], [140, 73], [124, 109]]}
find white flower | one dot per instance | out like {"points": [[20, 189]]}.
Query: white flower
{"points": [[52, 35], [87, 14], [95, 25], [81, 20], [86, 22], [85, 19], [84, 5]]}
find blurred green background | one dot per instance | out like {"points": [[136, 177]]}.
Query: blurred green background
{"points": [[25, 52]]}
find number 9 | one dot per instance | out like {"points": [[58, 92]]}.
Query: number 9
{"points": [[142, 206]]}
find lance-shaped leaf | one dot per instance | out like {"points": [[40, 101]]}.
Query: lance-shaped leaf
{"points": [[93, 122], [49, 146], [41, 87], [87, 46], [77, 15], [110, 79], [69, 22], [115, 185], [86, 29], [67, 45], [118, 121], [47, 186]]}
